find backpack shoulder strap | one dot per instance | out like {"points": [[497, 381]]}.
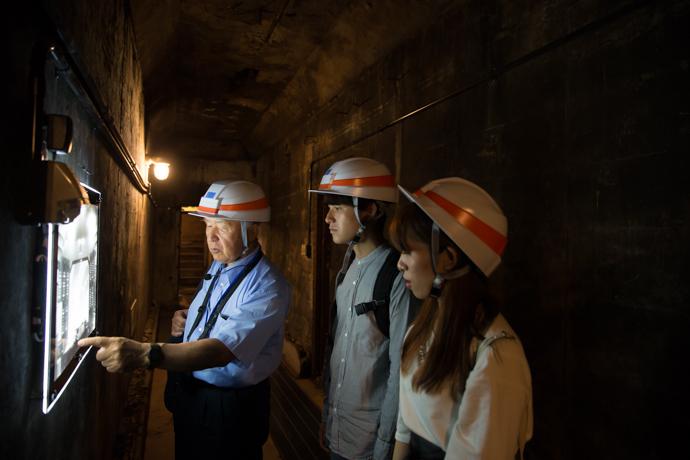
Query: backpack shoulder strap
{"points": [[487, 342], [380, 301], [382, 290]]}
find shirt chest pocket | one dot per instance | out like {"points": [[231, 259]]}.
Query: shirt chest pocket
{"points": [[230, 309]]}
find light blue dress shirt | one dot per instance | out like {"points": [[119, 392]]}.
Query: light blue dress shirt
{"points": [[251, 323]]}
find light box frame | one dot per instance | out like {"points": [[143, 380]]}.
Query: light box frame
{"points": [[55, 385]]}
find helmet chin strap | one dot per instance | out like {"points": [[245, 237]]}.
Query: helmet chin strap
{"points": [[362, 227], [245, 246], [440, 280], [351, 245]]}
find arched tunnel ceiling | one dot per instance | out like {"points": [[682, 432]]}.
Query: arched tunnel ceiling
{"points": [[227, 79]]}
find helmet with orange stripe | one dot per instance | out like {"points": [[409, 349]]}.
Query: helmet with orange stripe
{"points": [[468, 215], [359, 178], [237, 200]]}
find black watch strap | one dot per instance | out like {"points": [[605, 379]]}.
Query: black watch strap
{"points": [[155, 356]]}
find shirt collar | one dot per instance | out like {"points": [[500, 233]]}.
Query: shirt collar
{"points": [[373, 255], [242, 261]]}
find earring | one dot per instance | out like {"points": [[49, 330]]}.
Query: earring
{"points": [[437, 286]]}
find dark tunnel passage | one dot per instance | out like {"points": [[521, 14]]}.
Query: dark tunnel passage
{"points": [[574, 116]]}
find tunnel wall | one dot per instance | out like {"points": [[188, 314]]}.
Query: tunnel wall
{"points": [[84, 422], [574, 117]]}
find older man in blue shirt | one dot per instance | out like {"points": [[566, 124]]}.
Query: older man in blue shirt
{"points": [[233, 334]]}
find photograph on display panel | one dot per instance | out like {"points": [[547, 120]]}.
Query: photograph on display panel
{"points": [[71, 264]]}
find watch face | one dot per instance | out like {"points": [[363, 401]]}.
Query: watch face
{"points": [[155, 356]]}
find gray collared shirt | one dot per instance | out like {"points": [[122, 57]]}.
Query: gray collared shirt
{"points": [[361, 406]]}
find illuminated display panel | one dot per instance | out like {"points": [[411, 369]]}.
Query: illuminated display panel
{"points": [[70, 296]]}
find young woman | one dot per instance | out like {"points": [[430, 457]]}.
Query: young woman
{"points": [[465, 386]]}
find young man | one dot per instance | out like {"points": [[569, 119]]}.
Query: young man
{"points": [[233, 335], [362, 367]]}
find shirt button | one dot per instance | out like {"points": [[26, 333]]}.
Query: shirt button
{"points": [[345, 333], [339, 385], [342, 360]]}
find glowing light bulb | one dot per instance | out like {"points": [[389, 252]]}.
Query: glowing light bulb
{"points": [[161, 170]]}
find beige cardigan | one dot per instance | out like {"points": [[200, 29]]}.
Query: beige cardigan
{"points": [[493, 419]]}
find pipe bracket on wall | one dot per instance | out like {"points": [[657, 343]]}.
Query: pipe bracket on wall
{"points": [[85, 93]]}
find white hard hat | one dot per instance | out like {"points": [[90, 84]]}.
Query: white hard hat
{"points": [[468, 215], [234, 200], [359, 177]]}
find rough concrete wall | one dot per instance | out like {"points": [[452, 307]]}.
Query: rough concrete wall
{"points": [[357, 38], [282, 175], [574, 117], [165, 246], [84, 421], [101, 37]]}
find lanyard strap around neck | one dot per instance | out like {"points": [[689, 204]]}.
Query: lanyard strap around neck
{"points": [[223, 300], [203, 305]]}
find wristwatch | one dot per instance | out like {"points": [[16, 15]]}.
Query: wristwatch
{"points": [[155, 356]]}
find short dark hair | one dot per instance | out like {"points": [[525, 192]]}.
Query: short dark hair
{"points": [[333, 200]]}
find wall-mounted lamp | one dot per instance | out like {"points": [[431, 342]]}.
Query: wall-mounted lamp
{"points": [[161, 169]]}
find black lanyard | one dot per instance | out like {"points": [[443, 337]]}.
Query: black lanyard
{"points": [[222, 301]]}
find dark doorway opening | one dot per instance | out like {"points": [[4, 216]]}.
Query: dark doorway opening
{"points": [[193, 256]]}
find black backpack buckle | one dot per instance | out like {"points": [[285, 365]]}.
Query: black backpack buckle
{"points": [[365, 307]]}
